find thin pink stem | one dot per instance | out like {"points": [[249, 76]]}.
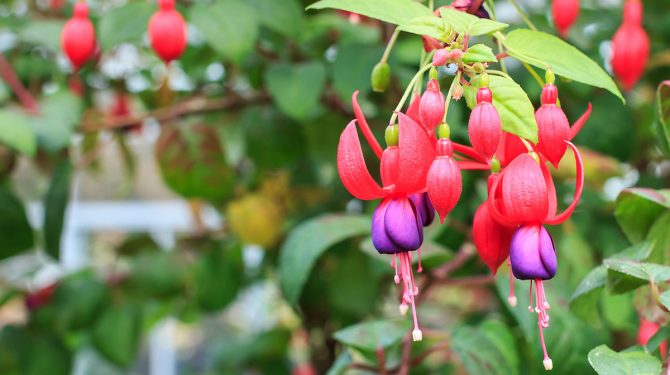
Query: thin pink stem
{"points": [[14, 83], [467, 151]]}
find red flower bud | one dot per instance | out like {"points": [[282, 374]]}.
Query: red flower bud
{"points": [[444, 181], [440, 57], [553, 126], [167, 32], [630, 46], [484, 127], [565, 13], [431, 107], [78, 37]]}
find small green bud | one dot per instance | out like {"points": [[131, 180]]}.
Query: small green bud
{"points": [[381, 76], [484, 80], [549, 76], [460, 38], [433, 73], [495, 165], [479, 67], [391, 135], [443, 131]]}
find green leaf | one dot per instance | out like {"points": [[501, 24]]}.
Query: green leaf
{"points": [[638, 208], [117, 334], [664, 298], [125, 24], [515, 109], [219, 275], [157, 274], [59, 114], [393, 11], [485, 350], [658, 338], [77, 300], [608, 362], [284, 16], [43, 33], [351, 69], [428, 25], [308, 241], [465, 23], [586, 296], [370, 336], [229, 26], [626, 275], [15, 231], [546, 51], [16, 132], [55, 203], [479, 53], [296, 89], [663, 114]]}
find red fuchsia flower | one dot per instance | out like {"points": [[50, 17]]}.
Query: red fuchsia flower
{"points": [[630, 46], [167, 31], [444, 182], [524, 197], [646, 331], [430, 43], [431, 106], [78, 36], [565, 13], [397, 223], [484, 126]]}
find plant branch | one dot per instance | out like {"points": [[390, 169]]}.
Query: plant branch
{"points": [[8, 75], [523, 15]]}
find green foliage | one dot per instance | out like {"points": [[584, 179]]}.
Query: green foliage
{"points": [[393, 11], [608, 362], [55, 204]]}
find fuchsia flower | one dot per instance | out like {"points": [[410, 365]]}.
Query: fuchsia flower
{"points": [[484, 126], [630, 46], [78, 37], [397, 223], [431, 106], [565, 13], [444, 181], [167, 31]]}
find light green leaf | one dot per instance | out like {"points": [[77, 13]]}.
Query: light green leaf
{"points": [[370, 336], [307, 242], [43, 33], [626, 275], [464, 23], [664, 298], [515, 109], [284, 16], [59, 114], [55, 203], [546, 51], [296, 89], [393, 11], [608, 362], [16, 132], [125, 24], [428, 25], [485, 350], [638, 208], [229, 26], [663, 115], [479, 53]]}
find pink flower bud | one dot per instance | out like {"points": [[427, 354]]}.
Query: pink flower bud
{"points": [[484, 127], [440, 57], [553, 126], [444, 183], [431, 107]]}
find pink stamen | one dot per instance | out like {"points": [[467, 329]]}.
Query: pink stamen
{"points": [[420, 268], [512, 297], [394, 264], [530, 298], [410, 290], [541, 306]]}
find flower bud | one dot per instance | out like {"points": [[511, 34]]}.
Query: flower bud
{"points": [[440, 57], [484, 126], [167, 32], [532, 253], [444, 182], [564, 13], [430, 43], [396, 226], [431, 107], [78, 37], [630, 46], [553, 126], [381, 76], [424, 207], [457, 91]]}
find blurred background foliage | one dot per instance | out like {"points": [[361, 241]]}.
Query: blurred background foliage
{"points": [[247, 123]]}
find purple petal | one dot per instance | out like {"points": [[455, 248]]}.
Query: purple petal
{"points": [[532, 253], [424, 207], [403, 224], [380, 239]]}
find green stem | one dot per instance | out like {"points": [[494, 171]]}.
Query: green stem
{"points": [[534, 74], [492, 11], [390, 44], [418, 74], [457, 80], [523, 15]]}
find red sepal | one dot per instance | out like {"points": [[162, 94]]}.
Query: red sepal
{"points": [[352, 168], [365, 128], [416, 152], [492, 240], [579, 188], [524, 191], [577, 126]]}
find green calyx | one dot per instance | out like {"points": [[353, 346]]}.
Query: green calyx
{"points": [[549, 76], [484, 80], [495, 165], [443, 131], [433, 73], [381, 77], [391, 135]]}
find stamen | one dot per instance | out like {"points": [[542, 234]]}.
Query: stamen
{"points": [[394, 264], [409, 292], [511, 299], [420, 269], [530, 298], [542, 320]]}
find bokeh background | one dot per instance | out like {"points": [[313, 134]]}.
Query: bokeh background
{"points": [[158, 220]]}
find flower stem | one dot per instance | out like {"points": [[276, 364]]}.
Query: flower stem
{"points": [[390, 44], [523, 15], [405, 95], [456, 81], [492, 12], [532, 72]]}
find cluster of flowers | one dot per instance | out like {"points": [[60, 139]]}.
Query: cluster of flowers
{"points": [[167, 33], [630, 44], [421, 173]]}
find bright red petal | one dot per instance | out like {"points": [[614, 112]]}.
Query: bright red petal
{"points": [[579, 188], [416, 155], [352, 169], [365, 128], [444, 185], [491, 239], [577, 126]]}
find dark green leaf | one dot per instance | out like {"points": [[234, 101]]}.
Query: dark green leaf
{"points": [[43, 33], [125, 24], [656, 340], [626, 275], [370, 336], [308, 241], [158, 273], [351, 69], [392, 11], [77, 301], [663, 111], [296, 89], [465, 23], [218, 276], [638, 208], [15, 231], [608, 362], [515, 109], [664, 298], [485, 350], [117, 334], [284, 16], [16, 132], [230, 27], [546, 51], [55, 204], [479, 53]]}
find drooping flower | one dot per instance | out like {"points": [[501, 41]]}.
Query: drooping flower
{"points": [[167, 31], [397, 224], [552, 125], [444, 182], [431, 106], [564, 13], [630, 46], [484, 126], [78, 36]]}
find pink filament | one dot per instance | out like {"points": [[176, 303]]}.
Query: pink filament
{"points": [[511, 283], [541, 307], [420, 268], [410, 289]]}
